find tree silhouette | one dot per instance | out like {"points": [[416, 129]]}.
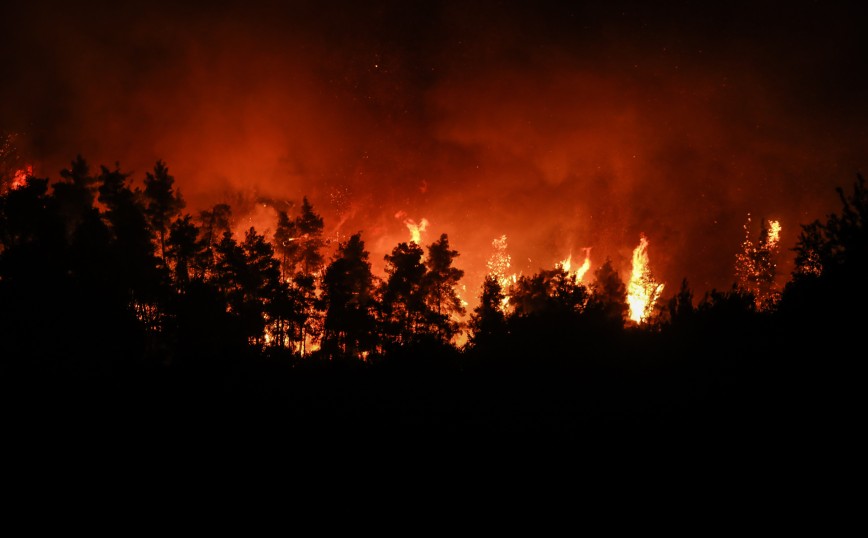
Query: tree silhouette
{"points": [[839, 245], [138, 271], [488, 321], [548, 293], [286, 244], [439, 283], [162, 203], [608, 299], [348, 287], [74, 196], [680, 307], [184, 247], [249, 276], [214, 223], [828, 281], [309, 226], [403, 297], [299, 244]]}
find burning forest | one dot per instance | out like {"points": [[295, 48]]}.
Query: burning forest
{"points": [[623, 211]]}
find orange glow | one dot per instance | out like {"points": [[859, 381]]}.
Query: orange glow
{"points": [[498, 266], [416, 229], [547, 146], [579, 273], [19, 178], [774, 233], [756, 264], [642, 291]]}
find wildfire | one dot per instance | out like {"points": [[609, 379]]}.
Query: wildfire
{"points": [[756, 264], [643, 291], [416, 229], [579, 273], [774, 233], [498, 266], [19, 178]]}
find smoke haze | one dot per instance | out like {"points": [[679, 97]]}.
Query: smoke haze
{"points": [[563, 127]]}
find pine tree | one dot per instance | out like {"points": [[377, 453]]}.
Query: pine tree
{"points": [[488, 321], [609, 295], [403, 299], [162, 203], [439, 284], [348, 287]]}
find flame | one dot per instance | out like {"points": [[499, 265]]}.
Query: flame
{"points": [[586, 265], [579, 273], [565, 264], [498, 266], [774, 233], [19, 178], [756, 265], [416, 229], [643, 291]]}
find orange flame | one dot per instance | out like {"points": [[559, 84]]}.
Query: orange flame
{"points": [[19, 178], [774, 233], [579, 273], [643, 291], [416, 229], [498, 266]]}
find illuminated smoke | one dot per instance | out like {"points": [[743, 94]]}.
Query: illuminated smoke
{"points": [[442, 112]]}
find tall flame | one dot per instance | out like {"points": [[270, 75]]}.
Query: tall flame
{"points": [[774, 233], [579, 273], [416, 229], [643, 291], [586, 265]]}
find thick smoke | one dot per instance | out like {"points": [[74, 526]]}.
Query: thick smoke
{"points": [[562, 128]]}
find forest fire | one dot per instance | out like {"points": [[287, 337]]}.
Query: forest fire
{"points": [[351, 172], [642, 290], [416, 229], [579, 273], [756, 264], [19, 178]]}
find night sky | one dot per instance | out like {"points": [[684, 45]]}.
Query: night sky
{"points": [[563, 125]]}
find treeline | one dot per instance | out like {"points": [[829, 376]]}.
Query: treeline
{"points": [[113, 294], [92, 267]]}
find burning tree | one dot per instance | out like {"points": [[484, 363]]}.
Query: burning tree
{"points": [[756, 264], [13, 170], [642, 291], [299, 242]]}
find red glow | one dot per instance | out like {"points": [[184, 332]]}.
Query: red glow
{"points": [[19, 178], [562, 132]]}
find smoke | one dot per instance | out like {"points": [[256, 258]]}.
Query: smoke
{"points": [[561, 127]]}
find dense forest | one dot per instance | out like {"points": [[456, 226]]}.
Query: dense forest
{"points": [[117, 306]]}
